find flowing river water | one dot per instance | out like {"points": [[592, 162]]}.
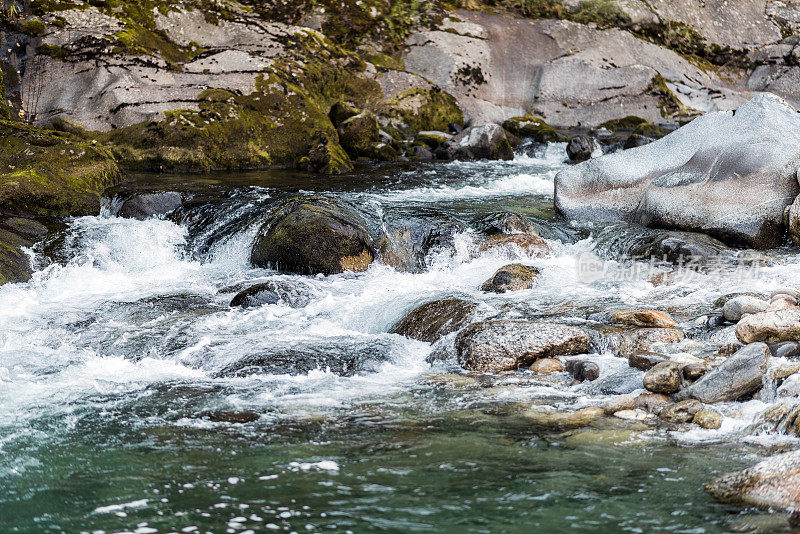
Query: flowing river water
{"points": [[134, 399]]}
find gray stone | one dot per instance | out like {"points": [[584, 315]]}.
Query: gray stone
{"points": [[644, 361], [146, 205], [734, 309], [773, 483], [708, 176], [770, 326], [681, 412], [495, 346], [739, 375], [487, 141]]}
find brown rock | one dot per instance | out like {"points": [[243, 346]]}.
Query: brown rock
{"points": [[651, 402], [773, 483], [644, 339], [434, 320], [644, 318], [561, 420], [547, 366], [681, 412], [769, 326], [644, 361], [619, 403], [708, 419], [512, 277], [665, 377], [694, 371]]}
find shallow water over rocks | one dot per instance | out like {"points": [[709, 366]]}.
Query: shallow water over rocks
{"points": [[133, 396]]}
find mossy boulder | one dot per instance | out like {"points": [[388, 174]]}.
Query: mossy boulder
{"points": [[431, 139], [434, 320], [359, 133], [33, 27], [313, 235], [340, 112], [512, 277], [51, 173], [14, 264], [6, 110], [424, 109], [534, 128]]}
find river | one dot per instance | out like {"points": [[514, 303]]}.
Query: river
{"points": [[134, 399]]}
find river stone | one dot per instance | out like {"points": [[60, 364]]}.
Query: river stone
{"points": [[272, 292], [783, 418], [769, 326], [583, 370], [146, 205], [434, 320], [487, 141], [651, 402], [644, 361], [407, 244], [708, 176], [340, 112], [784, 302], [708, 419], [643, 340], [742, 305], [785, 349], [681, 412], [512, 277], [773, 483], [644, 318], [561, 420], [619, 403], [739, 375], [679, 248], [665, 377], [694, 371], [311, 235], [420, 152], [580, 148], [506, 222], [500, 345], [359, 133], [546, 366]]}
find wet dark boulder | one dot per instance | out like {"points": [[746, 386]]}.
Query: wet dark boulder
{"points": [[506, 222], [664, 377], [421, 153], [359, 134], [487, 141], [583, 370], [580, 148], [635, 140], [272, 292], [501, 345], [340, 112], [708, 176], [434, 320], [313, 235], [678, 248], [644, 361], [407, 243], [145, 205], [513, 277]]}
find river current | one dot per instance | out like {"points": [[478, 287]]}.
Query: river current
{"points": [[133, 398]]}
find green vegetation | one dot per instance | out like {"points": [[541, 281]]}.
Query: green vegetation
{"points": [[669, 104], [424, 109], [535, 128], [33, 27]]}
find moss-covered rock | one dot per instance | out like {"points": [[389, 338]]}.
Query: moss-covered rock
{"points": [[431, 139], [359, 133], [51, 173], [14, 264], [534, 128], [434, 320], [311, 235], [424, 109], [340, 112], [33, 27]]}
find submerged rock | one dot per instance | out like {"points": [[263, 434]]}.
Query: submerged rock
{"points": [[513, 277], [681, 412], [495, 346], [708, 176], [531, 244], [310, 235], [434, 320], [146, 205], [562, 420], [770, 326], [679, 248], [271, 292], [739, 375], [506, 222], [580, 148], [773, 483]]}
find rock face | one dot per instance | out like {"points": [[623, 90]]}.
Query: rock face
{"points": [[496, 346], [513, 277], [769, 326], [774, 483], [434, 320], [311, 235], [739, 375], [148, 205], [708, 176]]}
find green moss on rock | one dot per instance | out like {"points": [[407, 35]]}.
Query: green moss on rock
{"points": [[424, 109], [358, 134], [669, 105], [535, 128], [14, 263], [51, 173], [33, 27]]}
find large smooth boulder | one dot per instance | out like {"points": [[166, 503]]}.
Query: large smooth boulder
{"points": [[311, 235], [741, 305], [434, 320], [770, 326], [708, 176], [496, 346], [739, 375], [773, 483]]}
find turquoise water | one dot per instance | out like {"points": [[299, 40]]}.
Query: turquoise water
{"points": [[117, 413]]}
